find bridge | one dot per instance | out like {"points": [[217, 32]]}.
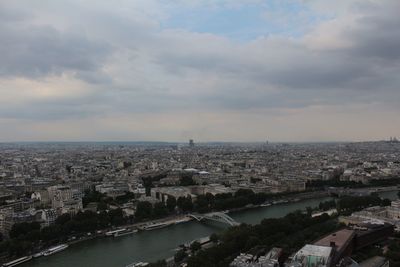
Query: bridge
{"points": [[216, 217]]}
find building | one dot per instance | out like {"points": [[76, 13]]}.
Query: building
{"points": [[312, 256], [191, 143], [48, 216], [342, 241], [375, 215], [271, 259], [6, 220]]}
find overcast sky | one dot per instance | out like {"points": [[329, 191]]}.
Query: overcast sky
{"points": [[211, 70]]}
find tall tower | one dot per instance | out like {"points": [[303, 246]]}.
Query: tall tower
{"points": [[191, 143]]}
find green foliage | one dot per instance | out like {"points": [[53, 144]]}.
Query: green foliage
{"points": [[63, 219], [160, 210], [391, 181], [290, 232], [214, 238], [349, 204], [92, 196], [144, 210], [309, 211], [386, 202], [185, 204], [27, 236], [367, 253], [101, 206], [333, 183], [125, 198], [171, 203], [393, 252], [186, 179], [352, 184], [22, 229], [327, 205], [195, 246], [180, 255]]}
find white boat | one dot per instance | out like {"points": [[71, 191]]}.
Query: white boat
{"points": [[154, 226], [37, 255], [138, 264], [182, 220], [112, 233], [55, 249], [17, 261], [280, 202], [126, 232]]}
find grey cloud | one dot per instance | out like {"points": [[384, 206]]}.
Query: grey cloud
{"points": [[368, 65], [41, 51], [178, 70]]}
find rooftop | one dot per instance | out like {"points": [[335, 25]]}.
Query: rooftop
{"points": [[340, 238]]}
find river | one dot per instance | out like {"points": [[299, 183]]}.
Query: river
{"points": [[160, 244]]}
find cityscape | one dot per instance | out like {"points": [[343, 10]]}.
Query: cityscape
{"points": [[57, 196], [200, 133]]}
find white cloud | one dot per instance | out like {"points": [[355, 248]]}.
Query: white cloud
{"points": [[68, 63]]}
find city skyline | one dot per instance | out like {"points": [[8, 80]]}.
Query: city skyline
{"points": [[226, 70]]}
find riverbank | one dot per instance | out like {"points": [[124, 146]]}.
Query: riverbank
{"points": [[161, 243], [149, 246]]}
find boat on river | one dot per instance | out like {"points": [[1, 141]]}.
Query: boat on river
{"points": [[55, 249], [17, 261], [125, 232], [154, 226]]}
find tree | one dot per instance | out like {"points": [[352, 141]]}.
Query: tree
{"points": [[62, 219], [101, 206], [91, 196], [180, 255], [202, 204], [386, 202], [195, 246], [159, 210], [125, 198], [51, 232], [185, 204], [291, 231], [117, 217], [144, 210], [171, 203], [22, 229], [186, 179], [214, 238], [252, 241], [309, 211], [244, 192]]}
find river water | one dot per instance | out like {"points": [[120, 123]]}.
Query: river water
{"points": [[160, 244]]}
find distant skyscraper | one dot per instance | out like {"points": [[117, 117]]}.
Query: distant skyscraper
{"points": [[191, 143]]}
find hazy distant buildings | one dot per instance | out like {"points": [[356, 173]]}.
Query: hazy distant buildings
{"points": [[39, 182]]}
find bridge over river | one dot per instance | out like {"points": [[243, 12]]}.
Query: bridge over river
{"points": [[216, 217]]}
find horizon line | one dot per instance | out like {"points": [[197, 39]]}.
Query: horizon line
{"points": [[186, 142]]}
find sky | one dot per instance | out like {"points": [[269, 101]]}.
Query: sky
{"points": [[208, 70]]}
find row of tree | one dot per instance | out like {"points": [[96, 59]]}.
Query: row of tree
{"points": [[27, 237], [349, 204], [102, 200], [393, 181], [202, 204], [289, 233]]}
